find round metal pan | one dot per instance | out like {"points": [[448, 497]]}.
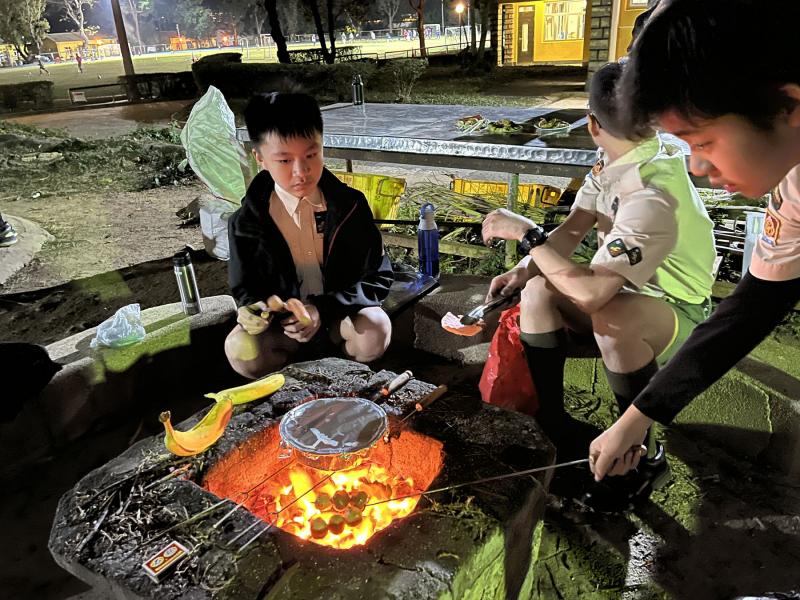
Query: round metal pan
{"points": [[333, 433]]}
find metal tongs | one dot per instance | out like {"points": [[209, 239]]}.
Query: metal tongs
{"points": [[479, 312]]}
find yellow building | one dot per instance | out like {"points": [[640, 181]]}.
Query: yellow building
{"points": [[623, 17], [65, 45], [561, 31]]}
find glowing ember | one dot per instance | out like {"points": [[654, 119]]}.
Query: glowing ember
{"points": [[336, 512]]}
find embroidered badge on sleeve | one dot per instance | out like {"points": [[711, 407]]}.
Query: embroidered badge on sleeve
{"points": [[618, 248], [772, 229]]}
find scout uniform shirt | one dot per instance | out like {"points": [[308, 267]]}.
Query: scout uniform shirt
{"points": [[301, 222], [776, 256], [652, 226]]}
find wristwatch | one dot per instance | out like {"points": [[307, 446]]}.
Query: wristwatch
{"points": [[535, 236]]}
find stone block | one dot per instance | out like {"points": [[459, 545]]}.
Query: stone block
{"points": [[95, 384], [457, 294], [475, 541]]}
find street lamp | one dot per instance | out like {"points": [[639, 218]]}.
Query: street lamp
{"points": [[460, 11]]}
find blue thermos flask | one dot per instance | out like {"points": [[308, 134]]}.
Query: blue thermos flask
{"points": [[428, 241]]}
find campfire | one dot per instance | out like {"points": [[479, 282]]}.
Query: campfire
{"points": [[340, 509], [264, 513]]}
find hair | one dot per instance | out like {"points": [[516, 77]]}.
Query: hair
{"points": [[705, 59], [603, 101], [286, 115]]}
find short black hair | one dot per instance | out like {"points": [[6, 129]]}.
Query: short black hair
{"points": [[603, 101], [705, 59], [287, 115]]}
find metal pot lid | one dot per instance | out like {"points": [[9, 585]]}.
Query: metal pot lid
{"points": [[330, 426]]}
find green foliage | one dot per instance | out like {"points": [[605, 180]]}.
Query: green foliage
{"points": [[164, 86], [39, 93], [143, 159], [241, 80], [405, 72], [22, 23], [195, 19]]}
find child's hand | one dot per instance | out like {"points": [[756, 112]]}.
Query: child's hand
{"points": [[505, 225], [253, 318], [294, 328]]}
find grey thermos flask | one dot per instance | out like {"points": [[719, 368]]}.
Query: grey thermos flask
{"points": [[358, 90], [187, 283]]}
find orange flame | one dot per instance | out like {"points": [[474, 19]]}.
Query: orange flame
{"points": [[315, 517]]}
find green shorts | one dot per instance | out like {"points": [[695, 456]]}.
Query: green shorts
{"points": [[687, 317]]}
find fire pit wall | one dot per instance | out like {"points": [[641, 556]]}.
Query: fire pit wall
{"points": [[477, 541]]}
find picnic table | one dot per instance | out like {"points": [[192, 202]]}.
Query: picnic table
{"points": [[426, 135]]}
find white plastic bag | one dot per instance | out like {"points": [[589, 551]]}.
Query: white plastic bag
{"points": [[216, 156], [123, 329], [214, 216]]}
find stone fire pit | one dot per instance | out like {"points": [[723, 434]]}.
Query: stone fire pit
{"points": [[478, 541]]}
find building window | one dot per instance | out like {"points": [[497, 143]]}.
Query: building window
{"points": [[564, 20]]}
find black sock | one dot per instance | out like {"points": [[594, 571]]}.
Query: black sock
{"points": [[626, 386], [546, 356]]}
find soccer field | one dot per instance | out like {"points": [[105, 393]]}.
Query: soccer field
{"points": [[66, 75]]}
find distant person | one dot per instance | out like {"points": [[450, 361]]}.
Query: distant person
{"points": [[79, 60], [41, 66], [372, 35], [301, 233], [8, 235]]}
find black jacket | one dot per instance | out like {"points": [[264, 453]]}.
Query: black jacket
{"points": [[356, 271]]}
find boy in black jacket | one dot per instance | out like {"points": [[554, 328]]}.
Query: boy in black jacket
{"points": [[302, 233]]}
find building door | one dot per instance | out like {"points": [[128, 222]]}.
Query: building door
{"points": [[525, 22]]}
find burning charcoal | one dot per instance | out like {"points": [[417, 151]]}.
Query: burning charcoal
{"points": [[359, 500], [352, 517], [323, 502], [319, 528], [341, 499], [336, 524]]}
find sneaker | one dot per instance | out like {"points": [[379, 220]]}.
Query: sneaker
{"points": [[623, 493], [7, 236]]}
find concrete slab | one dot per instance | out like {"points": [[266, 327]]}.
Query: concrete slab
{"points": [[31, 237], [179, 355], [457, 294]]}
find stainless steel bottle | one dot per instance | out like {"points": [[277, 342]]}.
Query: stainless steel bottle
{"points": [[187, 283], [358, 90]]}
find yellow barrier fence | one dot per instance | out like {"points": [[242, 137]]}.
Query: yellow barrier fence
{"points": [[530, 194], [382, 192]]}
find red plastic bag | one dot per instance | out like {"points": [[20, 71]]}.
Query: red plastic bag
{"points": [[506, 380]]}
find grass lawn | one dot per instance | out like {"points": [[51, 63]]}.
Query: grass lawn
{"points": [[66, 75]]}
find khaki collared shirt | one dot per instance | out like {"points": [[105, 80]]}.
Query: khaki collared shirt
{"points": [[301, 221], [776, 256], [652, 226]]}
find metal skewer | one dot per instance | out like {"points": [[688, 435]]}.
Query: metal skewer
{"points": [[485, 480]]}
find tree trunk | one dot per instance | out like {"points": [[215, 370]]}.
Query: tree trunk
{"points": [[271, 6], [419, 8], [494, 28], [312, 6], [330, 58], [473, 30], [486, 7], [135, 17]]}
